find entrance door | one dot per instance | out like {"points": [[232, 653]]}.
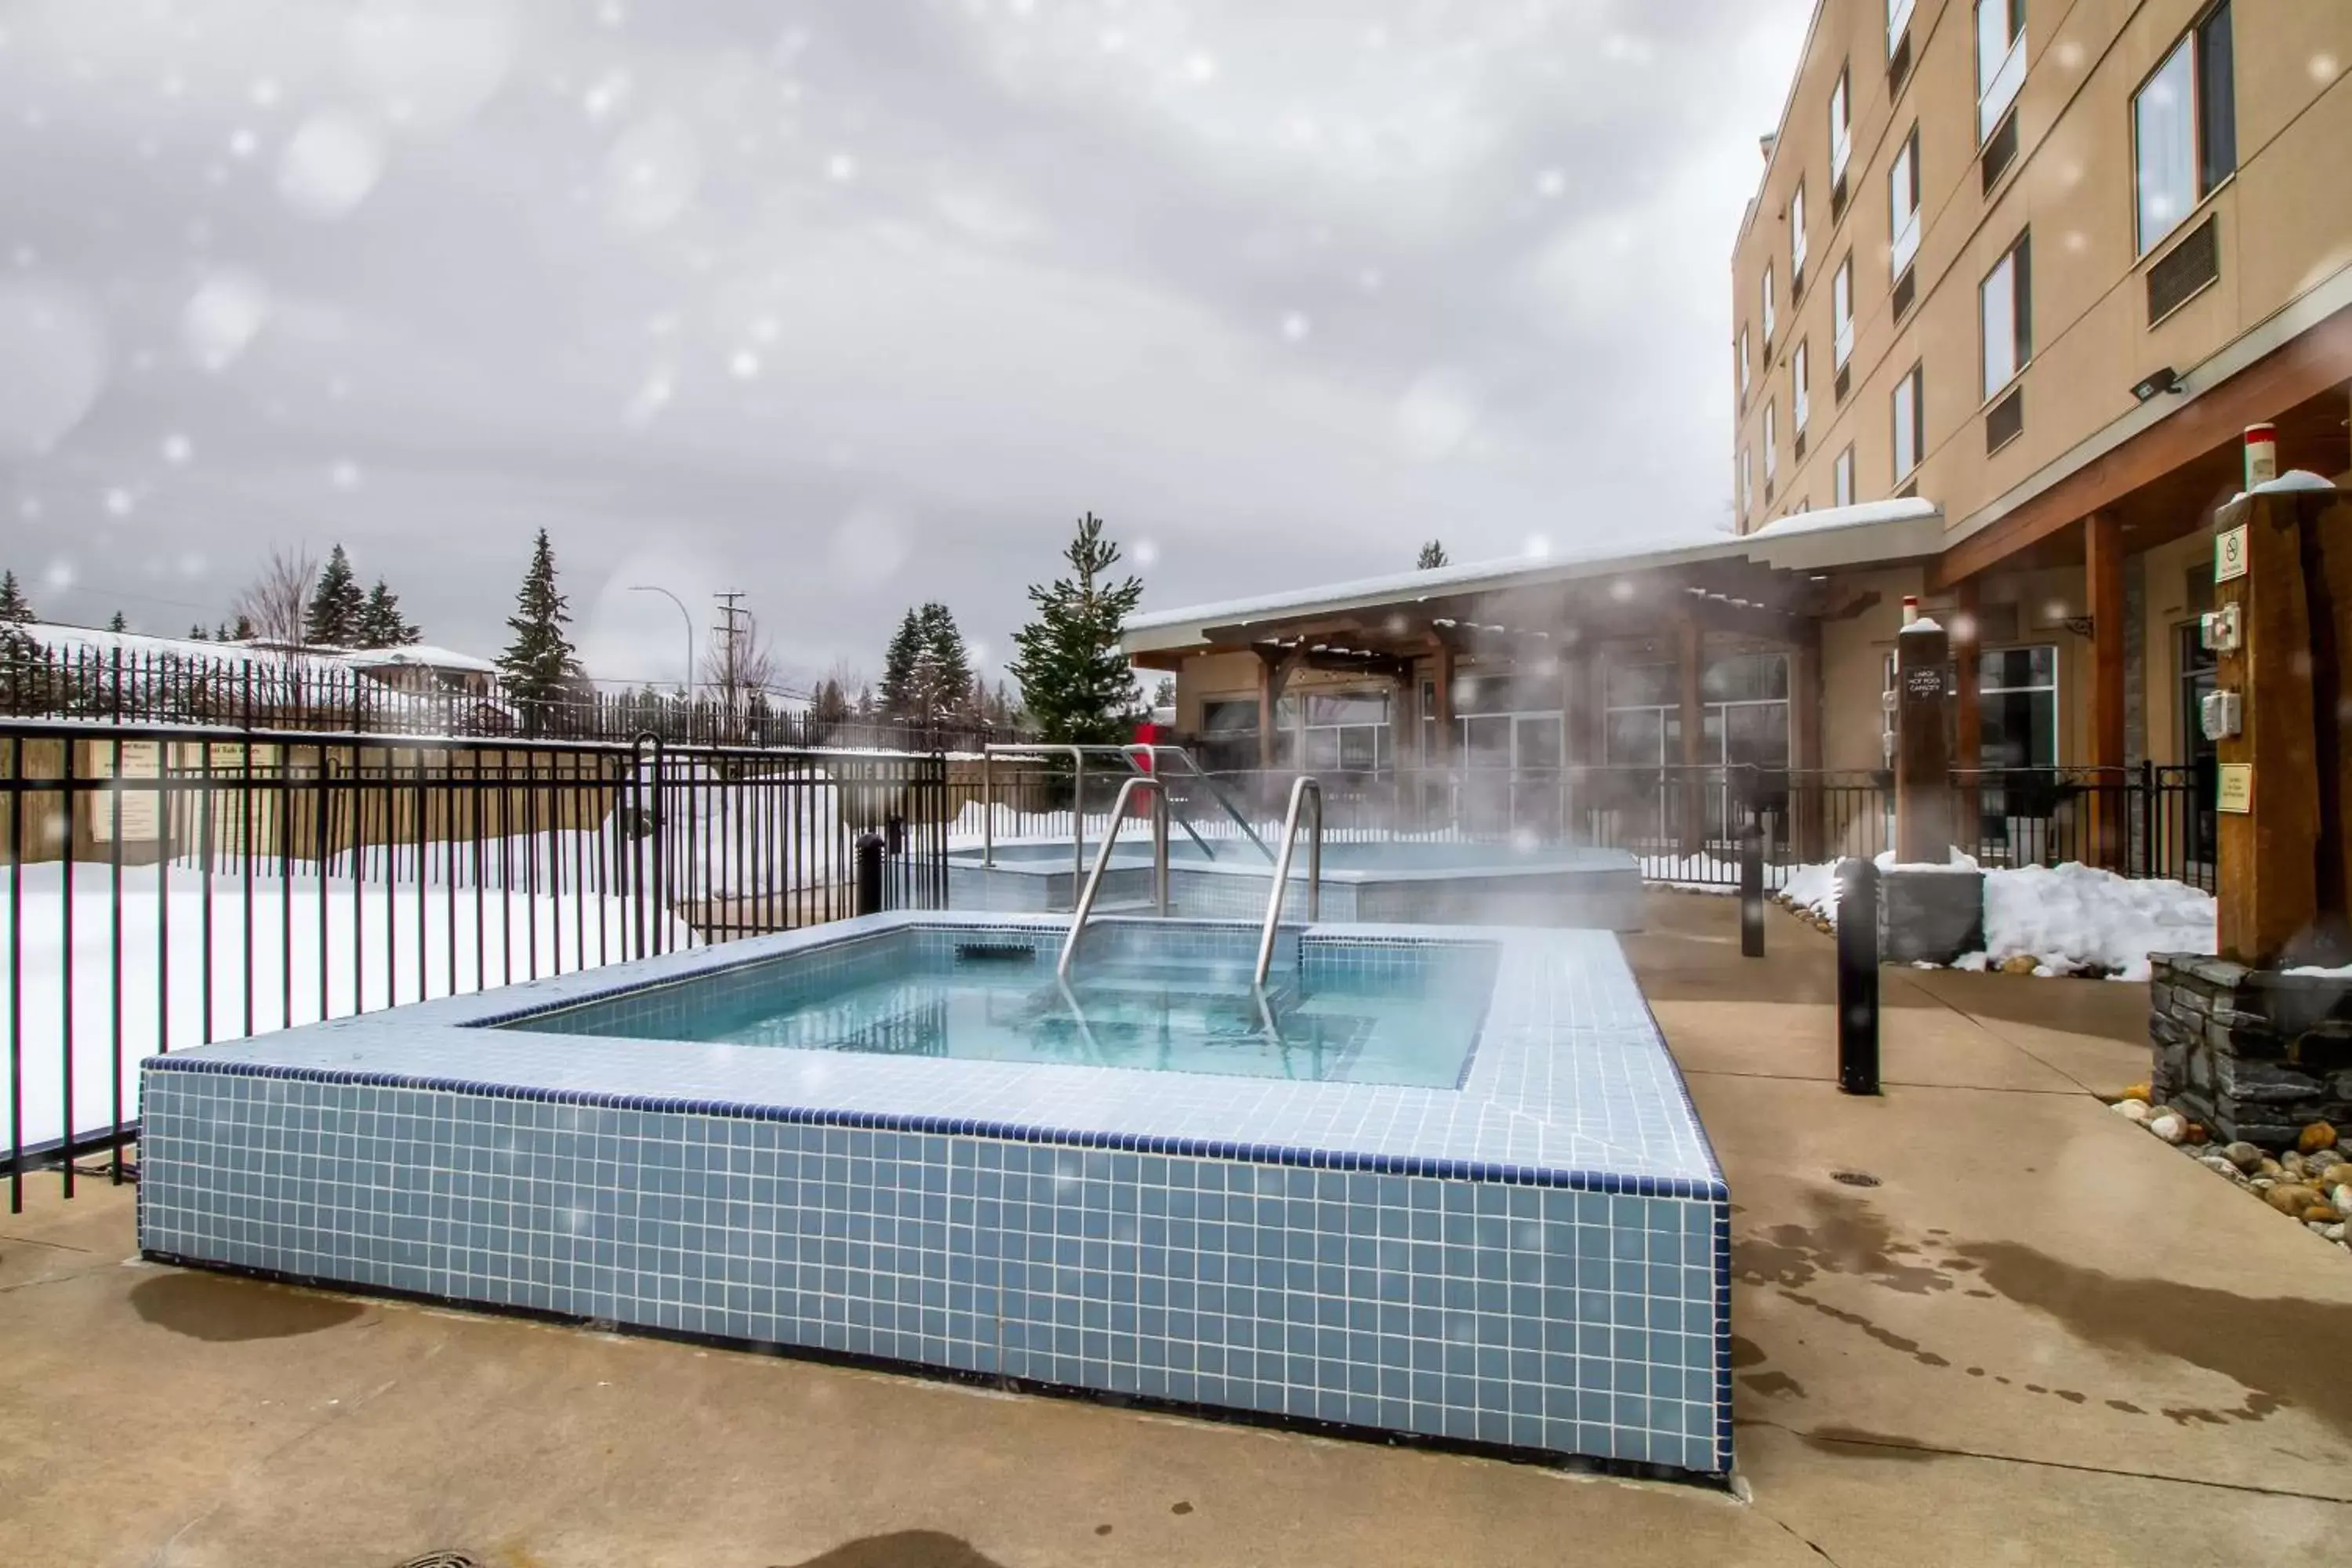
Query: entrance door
{"points": [[2197, 664]]}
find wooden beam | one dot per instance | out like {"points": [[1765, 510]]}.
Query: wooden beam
{"points": [[1276, 665], [2303, 367], [2103, 574]]}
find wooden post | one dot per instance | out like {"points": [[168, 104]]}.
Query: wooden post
{"points": [[1808, 790], [1692, 662], [2102, 575], [1968, 713], [1923, 759], [1265, 700], [2280, 891]]}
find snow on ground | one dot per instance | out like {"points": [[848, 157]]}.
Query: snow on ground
{"points": [[2066, 918], [318, 948]]}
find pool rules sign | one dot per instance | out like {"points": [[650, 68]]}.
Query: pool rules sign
{"points": [[133, 816]]}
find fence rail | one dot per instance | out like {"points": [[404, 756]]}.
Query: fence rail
{"points": [[320, 692], [166, 888]]}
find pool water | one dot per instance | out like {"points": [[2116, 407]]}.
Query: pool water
{"points": [[1383, 1017]]}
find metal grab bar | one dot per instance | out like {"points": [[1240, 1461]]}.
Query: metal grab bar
{"points": [[1304, 787], [1086, 903]]}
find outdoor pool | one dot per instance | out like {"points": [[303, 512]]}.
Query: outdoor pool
{"points": [[1401, 882], [1443, 1183]]}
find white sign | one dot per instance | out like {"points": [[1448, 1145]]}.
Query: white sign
{"points": [[134, 816], [2229, 554]]}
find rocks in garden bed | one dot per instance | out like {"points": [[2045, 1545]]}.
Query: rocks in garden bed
{"points": [[2311, 1183]]}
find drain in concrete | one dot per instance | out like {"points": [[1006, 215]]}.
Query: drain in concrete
{"points": [[1854, 1178], [443, 1560]]}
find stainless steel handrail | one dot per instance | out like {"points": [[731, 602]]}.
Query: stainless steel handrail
{"points": [[1151, 756], [1158, 791], [1128, 753], [1304, 787]]}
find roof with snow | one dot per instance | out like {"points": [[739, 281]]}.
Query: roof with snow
{"points": [[424, 655], [255, 652], [1873, 533]]}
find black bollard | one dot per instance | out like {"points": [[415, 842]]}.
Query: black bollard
{"points": [[869, 873], [1857, 977], [1751, 890]]}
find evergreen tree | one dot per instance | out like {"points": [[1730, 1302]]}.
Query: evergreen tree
{"points": [[1074, 681], [196, 633], [539, 664], [899, 696], [15, 608], [379, 623], [117, 624], [332, 616], [946, 667], [1164, 694], [866, 705], [220, 632], [244, 632], [1433, 556]]}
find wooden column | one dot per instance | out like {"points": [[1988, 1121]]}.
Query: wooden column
{"points": [[1968, 713], [1267, 696], [1807, 797], [1693, 664], [2103, 577], [2281, 893], [1923, 759]]}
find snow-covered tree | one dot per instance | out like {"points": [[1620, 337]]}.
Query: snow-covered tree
{"points": [[117, 623], [15, 608], [539, 665], [332, 615], [1433, 556], [1075, 683]]}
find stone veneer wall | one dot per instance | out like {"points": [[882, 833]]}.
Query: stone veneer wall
{"points": [[2252, 1054]]}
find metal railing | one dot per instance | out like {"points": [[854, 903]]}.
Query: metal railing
{"points": [[1143, 783], [1305, 789], [162, 888]]}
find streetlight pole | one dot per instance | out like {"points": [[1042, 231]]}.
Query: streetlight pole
{"points": [[684, 615]]}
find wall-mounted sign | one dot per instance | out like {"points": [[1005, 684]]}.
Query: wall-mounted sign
{"points": [[2235, 788], [2229, 554], [134, 816]]}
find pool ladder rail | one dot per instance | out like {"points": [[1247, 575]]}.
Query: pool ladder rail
{"points": [[1303, 789]]}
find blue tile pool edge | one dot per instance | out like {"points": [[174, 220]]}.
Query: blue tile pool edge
{"points": [[1566, 1461]]}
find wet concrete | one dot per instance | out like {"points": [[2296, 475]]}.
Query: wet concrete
{"points": [[224, 1309], [906, 1549]]}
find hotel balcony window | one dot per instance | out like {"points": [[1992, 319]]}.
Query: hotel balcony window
{"points": [[1898, 21], [1842, 480], [1771, 450], [1841, 128], [1746, 484], [2184, 129], [2000, 61], [1800, 399], [1841, 313], [1767, 309], [2005, 315], [1903, 205], [1797, 241], [1909, 428], [1743, 364]]}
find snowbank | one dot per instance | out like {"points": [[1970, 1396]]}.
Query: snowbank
{"points": [[2066, 918]]}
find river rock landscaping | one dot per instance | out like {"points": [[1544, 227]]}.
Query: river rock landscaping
{"points": [[2311, 1183]]}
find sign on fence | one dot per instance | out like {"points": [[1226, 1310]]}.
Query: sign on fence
{"points": [[133, 817]]}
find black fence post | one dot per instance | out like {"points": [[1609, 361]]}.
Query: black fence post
{"points": [[1857, 977], [1751, 889], [869, 873]]}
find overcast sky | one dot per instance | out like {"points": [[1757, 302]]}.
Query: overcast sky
{"points": [[854, 304]]}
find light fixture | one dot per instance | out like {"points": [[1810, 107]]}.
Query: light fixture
{"points": [[2159, 381]]}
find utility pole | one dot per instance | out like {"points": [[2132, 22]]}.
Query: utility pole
{"points": [[729, 629]]}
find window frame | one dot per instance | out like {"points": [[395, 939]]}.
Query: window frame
{"points": [[1771, 440], [1904, 165], [2019, 258], [1841, 121], [1841, 313], [1898, 22], [2207, 172], [1746, 379], [1916, 381], [1747, 483], [1770, 319], [1990, 114], [1796, 240], [1799, 396], [1842, 478]]}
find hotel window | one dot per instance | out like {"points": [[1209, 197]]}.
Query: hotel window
{"points": [[2185, 127], [1348, 731], [1797, 240], [1746, 484], [1743, 362], [1909, 427], [1842, 480], [1229, 735], [1767, 309], [1800, 400], [1840, 125], [1903, 205], [1771, 450], [2000, 61], [1898, 19], [2005, 314], [1842, 313]]}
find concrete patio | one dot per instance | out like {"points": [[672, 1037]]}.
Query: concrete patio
{"points": [[2039, 1336]]}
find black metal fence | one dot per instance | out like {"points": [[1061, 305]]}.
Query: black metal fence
{"points": [[166, 888], [1682, 823], [316, 691]]}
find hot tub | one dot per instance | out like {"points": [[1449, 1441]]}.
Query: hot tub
{"points": [[1443, 1183], [1404, 882]]}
